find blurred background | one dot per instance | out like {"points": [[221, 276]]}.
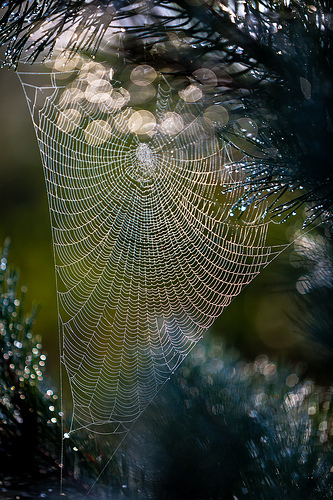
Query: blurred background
{"points": [[236, 405]]}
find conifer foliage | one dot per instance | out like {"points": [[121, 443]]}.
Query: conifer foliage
{"points": [[283, 50], [223, 427], [29, 413]]}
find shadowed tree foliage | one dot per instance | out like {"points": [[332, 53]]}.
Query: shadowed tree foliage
{"points": [[30, 411], [222, 428], [237, 430]]}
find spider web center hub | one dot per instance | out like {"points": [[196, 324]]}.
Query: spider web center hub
{"points": [[144, 168]]}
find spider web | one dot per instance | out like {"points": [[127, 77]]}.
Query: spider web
{"points": [[147, 251]]}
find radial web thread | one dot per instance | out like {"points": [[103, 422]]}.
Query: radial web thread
{"points": [[146, 252]]}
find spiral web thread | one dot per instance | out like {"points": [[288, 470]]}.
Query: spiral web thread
{"points": [[146, 252]]}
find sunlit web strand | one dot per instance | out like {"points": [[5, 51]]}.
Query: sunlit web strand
{"points": [[146, 253]]}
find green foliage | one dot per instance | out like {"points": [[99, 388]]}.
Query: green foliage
{"points": [[221, 428], [21, 20], [230, 429], [29, 413], [274, 58]]}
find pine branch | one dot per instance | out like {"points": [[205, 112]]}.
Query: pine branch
{"points": [[250, 430], [286, 85], [238, 430]]}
